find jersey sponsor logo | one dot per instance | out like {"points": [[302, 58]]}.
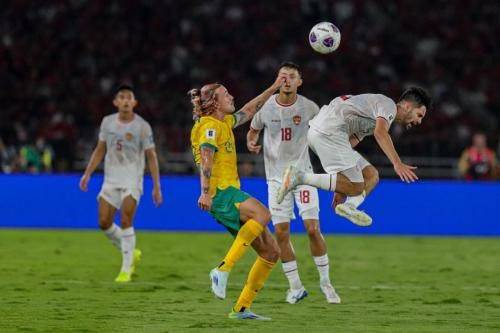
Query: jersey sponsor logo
{"points": [[296, 119], [390, 117], [129, 136], [275, 121], [210, 134]]}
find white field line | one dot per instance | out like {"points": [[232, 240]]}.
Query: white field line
{"points": [[270, 285]]}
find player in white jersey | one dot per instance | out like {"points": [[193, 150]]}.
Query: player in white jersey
{"points": [[125, 138], [341, 125], [285, 120]]}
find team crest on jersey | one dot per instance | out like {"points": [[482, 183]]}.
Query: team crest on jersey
{"points": [[229, 146], [129, 136], [297, 119]]}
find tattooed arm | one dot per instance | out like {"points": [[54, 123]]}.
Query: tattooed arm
{"points": [[248, 110], [206, 164]]}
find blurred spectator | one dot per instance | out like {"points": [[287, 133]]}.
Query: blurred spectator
{"points": [[478, 162], [29, 158], [8, 158], [57, 82], [46, 154]]}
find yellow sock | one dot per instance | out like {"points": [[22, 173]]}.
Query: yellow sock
{"points": [[258, 275], [248, 232]]}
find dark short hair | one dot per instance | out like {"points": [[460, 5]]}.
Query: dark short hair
{"points": [[123, 87], [418, 96], [290, 64]]}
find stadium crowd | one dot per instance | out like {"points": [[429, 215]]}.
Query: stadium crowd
{"points": [[60, 60]]}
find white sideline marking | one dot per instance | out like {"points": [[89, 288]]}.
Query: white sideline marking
{"points": [[271, 285]]}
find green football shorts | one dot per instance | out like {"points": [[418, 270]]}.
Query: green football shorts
{"points": [[225, 208]]}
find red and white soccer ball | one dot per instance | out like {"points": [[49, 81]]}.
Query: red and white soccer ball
{"points": [[324, 37]]}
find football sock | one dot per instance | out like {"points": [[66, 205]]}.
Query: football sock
{"points": [[114, 233], [292, 274], [323, 266], [323, 181], [258, 275], [128, 246], [248, 232], [356, 200]]}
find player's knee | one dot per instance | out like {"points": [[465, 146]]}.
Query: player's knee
{"points": [[355, 189], [375, 177], [264, 215], [313, 230], [282, 232], [371, 175], [274, 252], [126, 221], [104, 223]]}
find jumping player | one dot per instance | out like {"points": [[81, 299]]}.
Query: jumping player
{"points": [[338, 127]]}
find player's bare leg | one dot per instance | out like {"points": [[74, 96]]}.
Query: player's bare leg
{"points": [[297, 291], [111, 230], [130, 255], [319, 252], [335, 182], [339, 182], [254, 216], [268, 254], [347, 206]]}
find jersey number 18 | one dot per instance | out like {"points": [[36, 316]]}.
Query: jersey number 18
{"points": [[286, 134]]}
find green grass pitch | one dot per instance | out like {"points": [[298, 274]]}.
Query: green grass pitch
{"points": [[61, 281]]}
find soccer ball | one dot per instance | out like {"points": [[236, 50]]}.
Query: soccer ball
{"points": [[324, 37]]}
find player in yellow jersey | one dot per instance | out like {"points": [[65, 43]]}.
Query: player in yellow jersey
{"points": [[244, 217]]}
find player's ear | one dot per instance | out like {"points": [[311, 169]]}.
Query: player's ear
{"points": [[115, 102], [299, 83], [135, 103]]}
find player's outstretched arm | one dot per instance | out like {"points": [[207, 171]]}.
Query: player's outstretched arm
{"points": [[206, 165], [252, 139], [248, 110], [95, 160], [381, 134], [154, 169]]}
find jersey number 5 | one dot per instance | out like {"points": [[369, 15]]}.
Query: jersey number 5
{"points": [[286, 134], [119, 144]]}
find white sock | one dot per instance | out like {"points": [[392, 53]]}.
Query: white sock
{"points": [[323, 265], [323, 181], [114, 233], [356, 200], [128, 246], [292, 274]]}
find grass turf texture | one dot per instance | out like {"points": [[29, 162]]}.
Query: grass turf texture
{"points": [[58, 281]]}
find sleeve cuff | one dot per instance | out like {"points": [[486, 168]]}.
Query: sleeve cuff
{"points": [[208, 145]]}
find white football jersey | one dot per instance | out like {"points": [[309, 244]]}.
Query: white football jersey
{"points": [[125, 146], [285, 134], [357, 112]]}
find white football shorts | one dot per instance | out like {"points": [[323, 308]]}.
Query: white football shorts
{"points": [[305, 196], [335, 152], [114, 195]]}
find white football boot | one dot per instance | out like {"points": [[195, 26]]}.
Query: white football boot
{"points": [[353, 214], [291, 178], [331, 296], [219, 282], [294, 296]]}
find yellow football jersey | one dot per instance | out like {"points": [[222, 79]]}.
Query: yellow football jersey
{"points": [[209, 131]]}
